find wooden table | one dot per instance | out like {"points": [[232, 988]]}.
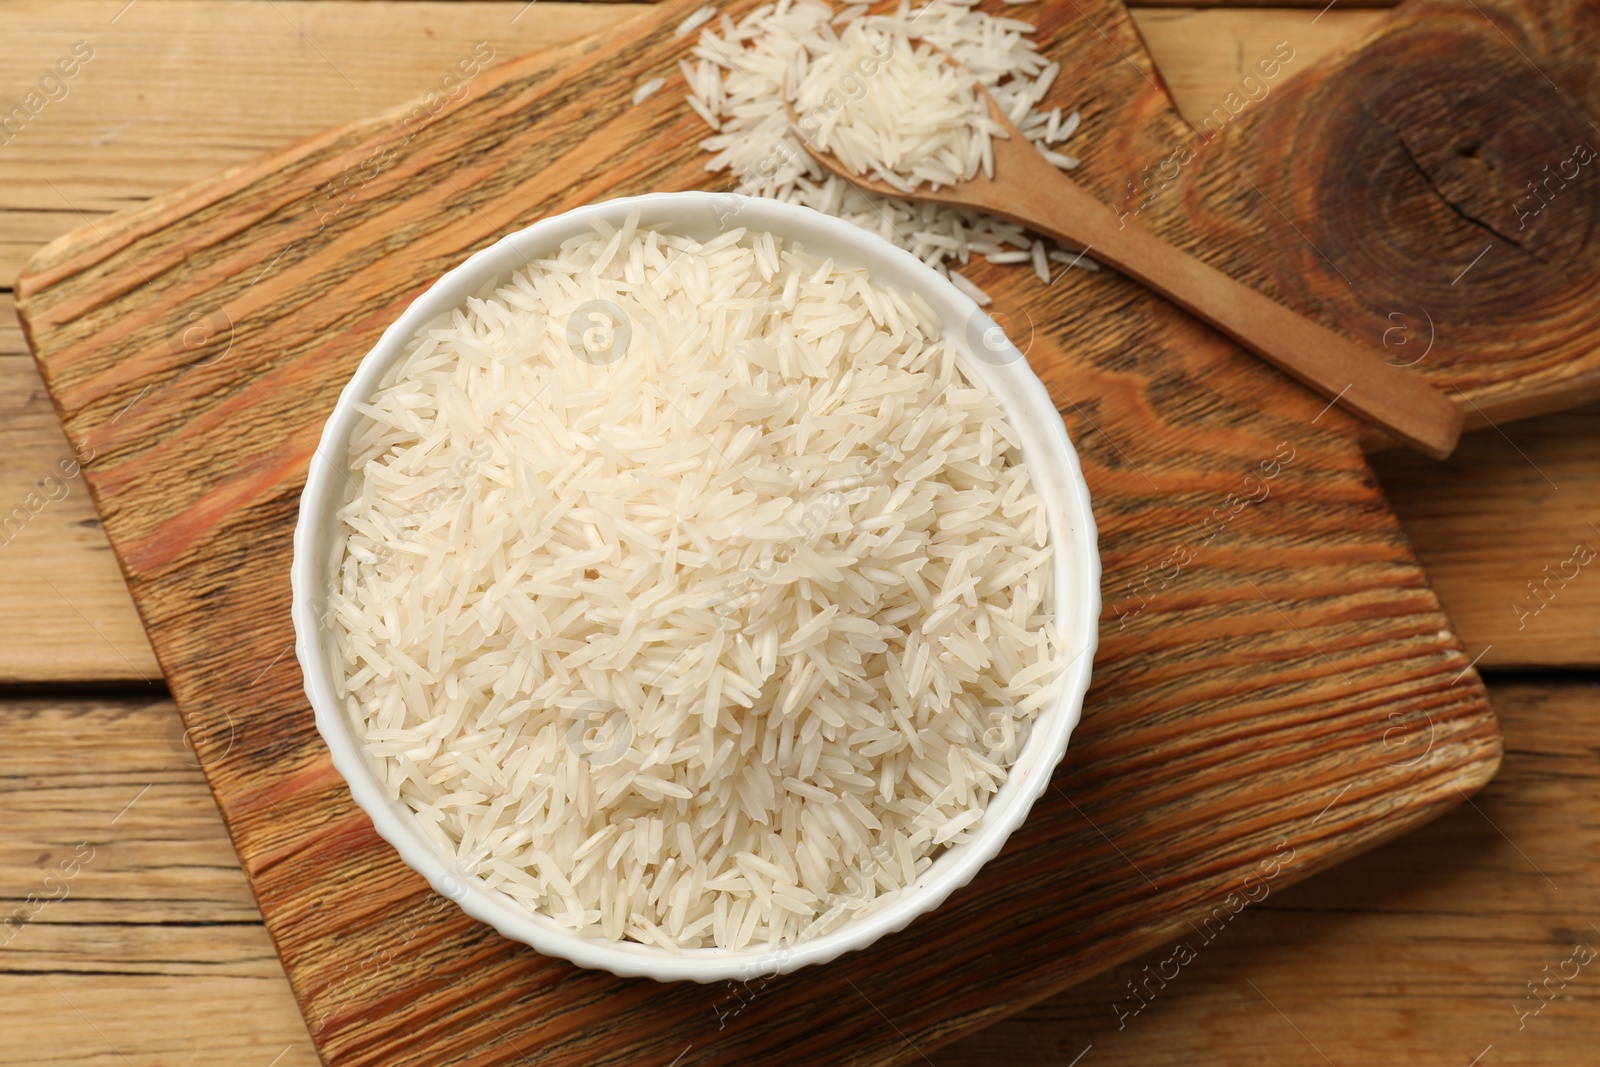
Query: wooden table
{"points": [[143, 944]]}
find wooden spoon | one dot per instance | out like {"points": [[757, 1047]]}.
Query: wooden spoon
{"points": [[1027, 189]]}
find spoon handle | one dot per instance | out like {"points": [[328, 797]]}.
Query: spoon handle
{"points": [[1402, 403]]}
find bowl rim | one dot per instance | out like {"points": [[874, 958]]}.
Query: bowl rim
{"points": [[1067, 496]]}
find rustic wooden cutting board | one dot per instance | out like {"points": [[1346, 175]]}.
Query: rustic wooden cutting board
{"points": [[1276, 687]]}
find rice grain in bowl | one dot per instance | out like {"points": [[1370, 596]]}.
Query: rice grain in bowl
{"points": [[668, 590]]}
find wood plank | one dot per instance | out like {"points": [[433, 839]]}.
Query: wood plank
{"points": [[1509, 532], [142, 935], [120, 777], [157, 107], [1394, 939], [71, 619], [77, 1019], [1282, 728]]}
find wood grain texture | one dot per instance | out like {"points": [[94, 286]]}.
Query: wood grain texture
{"points": [[1423, 942], [1396, 196], [158, 914], [1274, 695], [178, 89], [70, 618], [1502, 530]]}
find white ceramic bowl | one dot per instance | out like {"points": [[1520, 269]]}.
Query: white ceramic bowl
{"points": [[1056, 476]]}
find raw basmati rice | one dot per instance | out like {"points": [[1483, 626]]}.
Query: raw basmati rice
{"points": [[967, 286], [647, 89], [691, 593], [906, 117], [736, 80], [695, 20]]}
